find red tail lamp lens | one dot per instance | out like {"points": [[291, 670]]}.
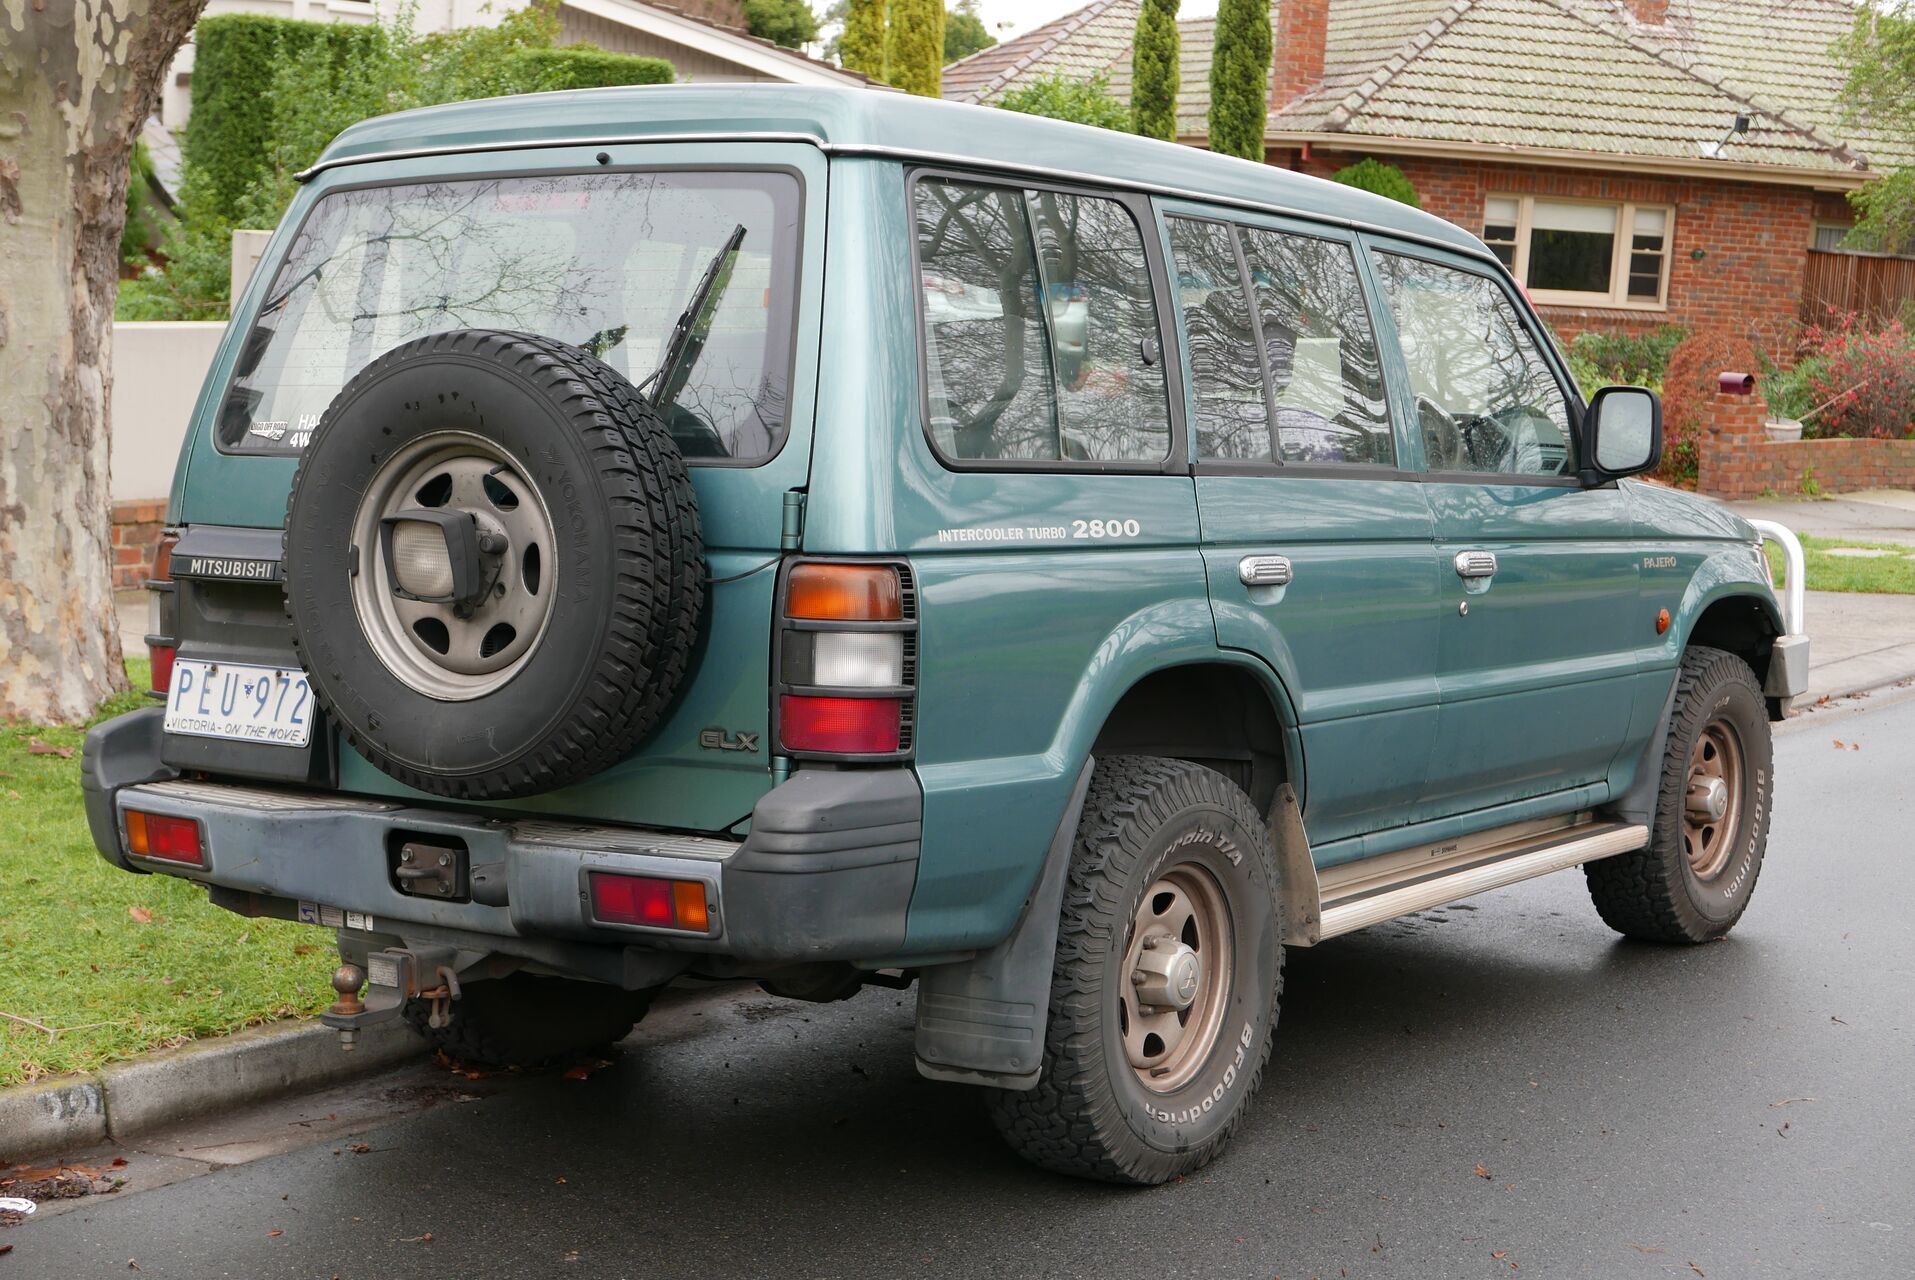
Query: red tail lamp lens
{"points": [[845, 726], [157, 835], [646, 900], [162, 656]]}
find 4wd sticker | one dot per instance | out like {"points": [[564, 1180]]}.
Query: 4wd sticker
{"points": [[1075, 531], [1231, 1074]]}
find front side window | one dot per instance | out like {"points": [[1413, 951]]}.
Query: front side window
{"points": [[607, 261], [1486, 399], [1573, 252], [1040, 327]]}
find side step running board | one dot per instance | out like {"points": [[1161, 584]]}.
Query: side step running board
{"points": [[1359, 894]]}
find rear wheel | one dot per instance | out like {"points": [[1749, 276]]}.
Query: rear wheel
{"points": [[1695, 878], [1164, 992], [528, 1019]]}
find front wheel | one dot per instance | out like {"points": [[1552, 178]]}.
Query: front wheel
{"points": [[1164, 991], [1695, 878]]}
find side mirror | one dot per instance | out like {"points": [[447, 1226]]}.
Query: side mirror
{"points": [[1622, 434]]}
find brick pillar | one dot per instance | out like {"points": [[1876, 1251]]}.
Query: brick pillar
{"points": [[1303, 27], [136, 536], [1726, 448], [1650, 13]]}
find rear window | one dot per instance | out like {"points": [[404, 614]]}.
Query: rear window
{"points": [[605, 261]]}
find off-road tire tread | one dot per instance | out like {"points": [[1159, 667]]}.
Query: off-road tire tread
{"points": [[1068, 1122], [1642, 895], [643, 655]]}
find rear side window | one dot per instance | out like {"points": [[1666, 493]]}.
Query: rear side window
{"points": [[1297, 379], [1486, 400], [607, 261], [1040, 328]]}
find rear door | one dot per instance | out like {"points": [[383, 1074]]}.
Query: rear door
{"points": [[603, 255], [1316, 542], [1539, 575]]}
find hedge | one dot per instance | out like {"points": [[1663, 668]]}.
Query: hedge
{"points": [[1372, 175], [582, 67], [224, 151]]}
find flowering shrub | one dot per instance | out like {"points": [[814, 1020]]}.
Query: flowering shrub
{"points": [[1687, 389], [1861, 382]]}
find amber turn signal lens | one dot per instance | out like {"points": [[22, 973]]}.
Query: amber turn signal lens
{"points": [[1662, 622], [844, 593], [156, 835]]}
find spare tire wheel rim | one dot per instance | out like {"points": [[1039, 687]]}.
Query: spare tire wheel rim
{"points": [[453, 650], [1177, 971]]}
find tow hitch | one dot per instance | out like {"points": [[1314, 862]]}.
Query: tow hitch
{"points": [[392, 977]]}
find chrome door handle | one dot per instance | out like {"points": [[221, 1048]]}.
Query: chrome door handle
{"points": [[1265, 571], [1476, 564]]}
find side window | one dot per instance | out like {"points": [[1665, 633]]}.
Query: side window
{"points": [[1326, 380], [1040, 328], [1486, 400], [1232, 414]]}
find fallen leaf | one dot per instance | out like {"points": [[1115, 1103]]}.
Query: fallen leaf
{"points": [[1500, 1254], [132, 1265], [304, 948], [35, 747], [360, 1148], [1644, 1248], [274, 1232], [579, 1073], [570, 1255], [420, 1239], [1481, 1172], [1839, 746], [5, 1249], [140, 915], [561, 1182], [1833, 1018], [119, 1162], [1698, 1270]]}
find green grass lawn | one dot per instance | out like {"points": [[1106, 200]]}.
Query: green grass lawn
{"points": [[1894, 574], [118, 963]]}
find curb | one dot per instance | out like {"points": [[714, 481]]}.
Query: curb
{"points": [[129, 1098]]}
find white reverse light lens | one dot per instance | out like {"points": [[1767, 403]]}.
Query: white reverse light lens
{"points": [[857, 659], [421, 564]]}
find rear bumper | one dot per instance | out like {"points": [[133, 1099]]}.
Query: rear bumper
{"points": [[825, 875]]}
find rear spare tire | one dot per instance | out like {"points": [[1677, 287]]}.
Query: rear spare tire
{"points": [[493, 567]]}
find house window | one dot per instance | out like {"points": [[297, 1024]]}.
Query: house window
{"points": [[1835, 237], [1590, 254]]}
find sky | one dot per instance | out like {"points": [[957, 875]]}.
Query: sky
{"points": [[1007, 18]]}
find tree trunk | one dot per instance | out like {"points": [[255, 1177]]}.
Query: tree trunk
{"points": [[77, 80]]}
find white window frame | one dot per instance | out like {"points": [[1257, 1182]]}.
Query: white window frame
{"points": [[1617, 297]]}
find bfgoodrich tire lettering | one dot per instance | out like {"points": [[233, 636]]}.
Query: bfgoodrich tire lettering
{"points": [[624, 576], [1091, 1113], [1680, 888]]}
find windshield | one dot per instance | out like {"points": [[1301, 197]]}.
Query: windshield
{"points": [[606, 261]]}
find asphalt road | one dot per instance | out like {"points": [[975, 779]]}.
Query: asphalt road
{"points": [[1741, 1109]]}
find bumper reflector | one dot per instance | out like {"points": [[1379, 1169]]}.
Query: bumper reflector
{"points": [[162, 656], [647, 900], [157, 835], [843, 726]]}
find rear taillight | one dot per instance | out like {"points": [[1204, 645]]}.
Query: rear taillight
{"points": [[847, 661], [161, 836], [163, 613], [649, 901]]}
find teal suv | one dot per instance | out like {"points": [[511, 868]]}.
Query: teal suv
{"points": [[833, 538]]}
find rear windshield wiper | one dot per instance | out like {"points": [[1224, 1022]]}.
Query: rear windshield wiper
{"points": [[694, 325]]}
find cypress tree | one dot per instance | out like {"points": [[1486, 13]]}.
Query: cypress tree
{"points": [[1154, 71], [862, 44], [914, 46], [1239, 78]]}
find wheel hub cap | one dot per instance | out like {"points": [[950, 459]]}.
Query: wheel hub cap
{"points": [[1167, 975], [1712, 800]]}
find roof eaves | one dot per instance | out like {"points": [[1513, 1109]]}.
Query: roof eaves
{"points": [[1834, 146], [758, 43], [1413, 48]]}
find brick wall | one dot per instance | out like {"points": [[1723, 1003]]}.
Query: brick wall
{"points": [[1735, 459], [136, 532], [1754, 238]]}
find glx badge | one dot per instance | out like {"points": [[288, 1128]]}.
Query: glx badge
{"points": [[721, 740]]}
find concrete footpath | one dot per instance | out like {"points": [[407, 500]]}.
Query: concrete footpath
{"points": [[1858, 642]]}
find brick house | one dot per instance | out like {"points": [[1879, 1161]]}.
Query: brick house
{"points": [[1636, 162]]}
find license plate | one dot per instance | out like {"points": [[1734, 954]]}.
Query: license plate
{"points": [[271, 705]]}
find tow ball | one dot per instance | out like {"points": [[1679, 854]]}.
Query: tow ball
{"points": [[390, 978]]}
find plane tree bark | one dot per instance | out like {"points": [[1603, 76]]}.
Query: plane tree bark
{"points": [[77, 80]]}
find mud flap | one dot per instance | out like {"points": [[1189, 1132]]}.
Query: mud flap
{"points": [[982, 1021]]}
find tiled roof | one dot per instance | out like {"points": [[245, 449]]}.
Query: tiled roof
{"points": [[1082, 45], [1569, 75]]}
